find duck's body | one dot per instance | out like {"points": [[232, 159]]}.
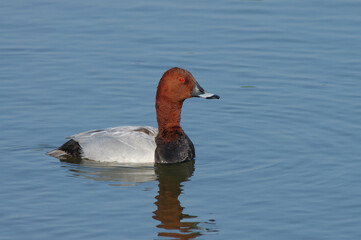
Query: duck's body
{"points": [[144, 144], [135, 144]]}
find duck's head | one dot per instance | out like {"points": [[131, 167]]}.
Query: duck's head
{"points": [[178, 84]]}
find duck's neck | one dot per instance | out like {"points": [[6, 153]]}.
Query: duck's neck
{"points": [[168, 117], [173, 145]]}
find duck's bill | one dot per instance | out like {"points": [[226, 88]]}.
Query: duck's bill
{"points": [[208, 95], [198, 91]]}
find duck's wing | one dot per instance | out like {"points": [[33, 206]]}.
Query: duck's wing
{"points": [[133, 144]]}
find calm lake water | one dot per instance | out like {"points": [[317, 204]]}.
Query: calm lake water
{"points": [[278, 156]]}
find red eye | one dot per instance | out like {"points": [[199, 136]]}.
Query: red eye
{"points": [[181, 79]]}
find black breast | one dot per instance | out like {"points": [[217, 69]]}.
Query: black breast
{"points": [[177, 151]]}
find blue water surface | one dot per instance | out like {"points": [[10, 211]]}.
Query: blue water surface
{"points": [[278, 156]]}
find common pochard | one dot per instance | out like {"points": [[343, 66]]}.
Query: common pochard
{"points": [[144, 144]]}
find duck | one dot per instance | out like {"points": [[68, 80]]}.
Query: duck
{"points": [[167, 144]]}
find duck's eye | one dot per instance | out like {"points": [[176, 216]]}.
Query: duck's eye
{"points": [[181, 79]]}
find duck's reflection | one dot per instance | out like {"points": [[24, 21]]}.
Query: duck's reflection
{"points": [[169, 210], [114, 174], [173, 223]]}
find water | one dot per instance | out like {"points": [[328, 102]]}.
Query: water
{"points": [[278, 156]]}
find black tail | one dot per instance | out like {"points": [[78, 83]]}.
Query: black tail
{"points": [[69, 149]]}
